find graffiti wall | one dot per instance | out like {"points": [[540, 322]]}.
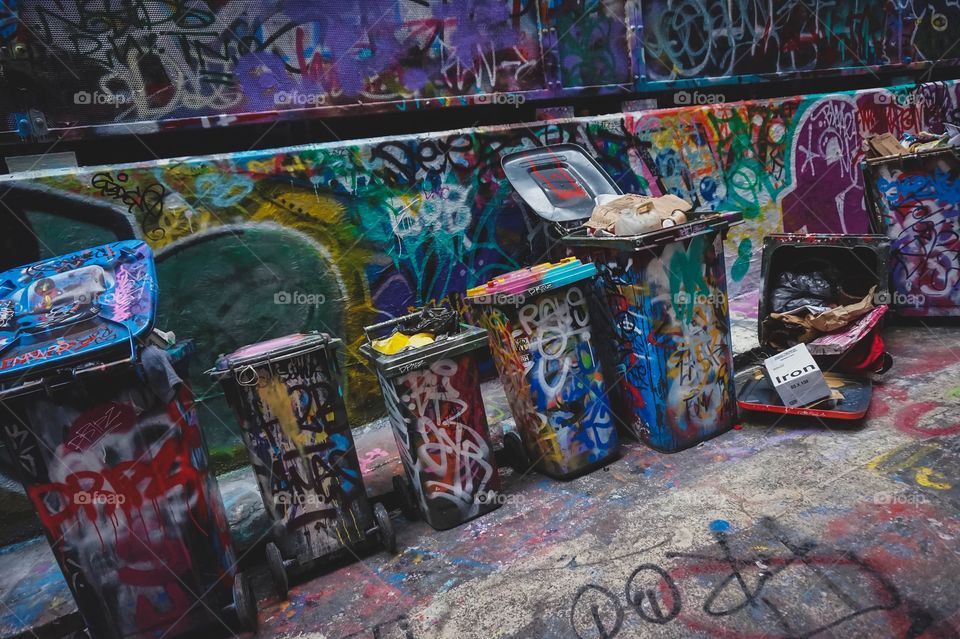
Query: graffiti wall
{"points": [[94, 68], [339, 236]]}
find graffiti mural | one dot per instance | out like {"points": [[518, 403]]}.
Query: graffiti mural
{"points": [[918, 205], [671, 328], [441, 431], [306, 465], [376, 227], [543, 349], [93, 69], [122, 488]]}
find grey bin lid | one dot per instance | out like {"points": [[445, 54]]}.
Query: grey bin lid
{"points": [[262, 353], [701, 222], [560, 182], [469, 338]]}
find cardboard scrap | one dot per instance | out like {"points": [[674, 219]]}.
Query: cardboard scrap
{"points": [[877, 146], [828, 321], [634, 214]]}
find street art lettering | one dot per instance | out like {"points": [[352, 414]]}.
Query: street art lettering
{"points": [[672, 350], [736, 591], [545, 355], [441, 430], [303, 454], [918, 203], [131, 510], [145, 203]]}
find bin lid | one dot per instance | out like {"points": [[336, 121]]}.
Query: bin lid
{"points": [[469, 338], [560, 182], [701, 222], [531, 281], [273, 349], [67, 309]]}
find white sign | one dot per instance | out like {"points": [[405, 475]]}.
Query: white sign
{"points": [[796, 377]]}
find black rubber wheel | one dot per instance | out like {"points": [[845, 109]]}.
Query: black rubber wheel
{"points": [[516, 453], [277, 570], [244, 603], [408, 501], [388, 538]]}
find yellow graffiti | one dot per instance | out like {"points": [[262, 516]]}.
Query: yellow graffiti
{"points": [[275, 396], [925, 477], [888, 462]]}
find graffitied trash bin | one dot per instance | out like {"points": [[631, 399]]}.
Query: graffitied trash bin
{"points": [[541, 337], [914, 199], [669, 323], [104, 435], [288, 397], [432, 394]]}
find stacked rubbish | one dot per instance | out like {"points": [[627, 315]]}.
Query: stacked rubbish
{"points": [[886, 144], [427, 366]]}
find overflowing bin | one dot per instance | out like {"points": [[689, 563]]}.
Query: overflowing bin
{"points": [[666, 333], [288, 397], [104, 435], [542, 339], [432, 392]]}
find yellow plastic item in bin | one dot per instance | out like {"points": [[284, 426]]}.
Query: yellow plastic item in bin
{"points": [[398, 341]]}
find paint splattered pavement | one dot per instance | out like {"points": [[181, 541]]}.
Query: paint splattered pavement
{"points": [[781, 529], [789, 529]]}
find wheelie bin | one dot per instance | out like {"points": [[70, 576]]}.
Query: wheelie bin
{"points": [[539, 322], [433, 399], [104, 435], [288, 397], [665, 334]]}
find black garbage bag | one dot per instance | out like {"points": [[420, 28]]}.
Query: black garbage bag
{"points": [[809, 288], [433, 319]]}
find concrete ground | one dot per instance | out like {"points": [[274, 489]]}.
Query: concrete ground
{"points": [[784, 528]]}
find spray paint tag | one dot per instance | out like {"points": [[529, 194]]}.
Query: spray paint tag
{"points": [[796, 377]]}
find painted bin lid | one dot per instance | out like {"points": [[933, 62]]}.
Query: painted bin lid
{"points": [[273, 349], [66, 310], [528, 282], [559, 182]]}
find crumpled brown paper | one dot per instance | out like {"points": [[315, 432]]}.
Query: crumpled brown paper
{"points": [[645, 213], [828, 321]]}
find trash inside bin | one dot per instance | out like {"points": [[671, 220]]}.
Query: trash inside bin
{"points": [[542, 341], [433, 399], [287, 395], [105, 438]]}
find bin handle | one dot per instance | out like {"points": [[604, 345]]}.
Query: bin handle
{"points": [[375, 328]]}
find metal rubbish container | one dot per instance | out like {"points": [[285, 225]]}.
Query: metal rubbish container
{"points": [[288, 397], [541, 336], [432, 394], [668, 321], [104, 435]]}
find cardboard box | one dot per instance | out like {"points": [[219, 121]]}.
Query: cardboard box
{"points": [[796, 377]]}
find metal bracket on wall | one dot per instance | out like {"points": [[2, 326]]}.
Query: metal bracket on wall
{"points": [[31, 125]]}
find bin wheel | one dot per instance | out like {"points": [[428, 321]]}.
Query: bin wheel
{"points": [[244, 602], [408, 501], [388, 538], [278, 571], [516, 453]]}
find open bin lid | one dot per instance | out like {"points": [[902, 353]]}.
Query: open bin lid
{"points": [[560, 182], [756, 393], [701, 222], [272, 350], [412, 359], [532, 281], [67, 309]]}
